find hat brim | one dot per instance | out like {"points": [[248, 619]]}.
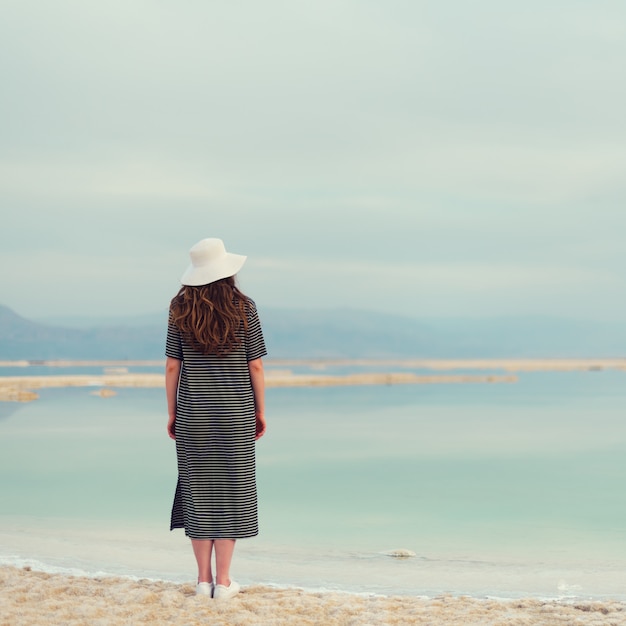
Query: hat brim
{"points": [[228, 265]]}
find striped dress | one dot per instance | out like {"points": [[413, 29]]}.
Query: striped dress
{"points": [[215, 447]]}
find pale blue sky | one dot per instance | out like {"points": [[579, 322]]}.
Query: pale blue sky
{"points": [[432, 158]]}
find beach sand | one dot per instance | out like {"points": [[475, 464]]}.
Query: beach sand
{"points": [[30, 598]]}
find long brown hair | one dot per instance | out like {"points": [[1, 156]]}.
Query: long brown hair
{"points": [[209, 317]]}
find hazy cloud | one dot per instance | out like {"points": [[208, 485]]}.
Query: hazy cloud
{"points": [[460, 152]]}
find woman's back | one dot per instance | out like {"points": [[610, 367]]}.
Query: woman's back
{"points": [[215, 400]]}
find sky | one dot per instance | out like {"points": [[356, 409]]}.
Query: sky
{"points": [[430, 158]]}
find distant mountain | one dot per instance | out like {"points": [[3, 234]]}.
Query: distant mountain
{"points": [[23, 339], [99, 321], [533, 336], [340, 333]]}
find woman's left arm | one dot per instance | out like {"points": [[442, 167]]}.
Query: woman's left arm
{"points": [[172, 374], [257, 379]]}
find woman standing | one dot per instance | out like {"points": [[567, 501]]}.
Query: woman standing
{"points": [[215, 397]]}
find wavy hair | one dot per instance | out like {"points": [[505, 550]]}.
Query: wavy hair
{"points": [[210, 317]]}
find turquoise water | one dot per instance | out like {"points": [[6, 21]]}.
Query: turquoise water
{"points": [[502, 489]]}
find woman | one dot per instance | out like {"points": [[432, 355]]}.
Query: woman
{"points": [[215, 397]]}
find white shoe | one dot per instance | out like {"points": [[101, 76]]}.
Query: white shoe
{"points": [[222, 592], [205, 589]]}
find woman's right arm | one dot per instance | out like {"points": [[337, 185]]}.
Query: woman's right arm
{"points": [[172, 374]]}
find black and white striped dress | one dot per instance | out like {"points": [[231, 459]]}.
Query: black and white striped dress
{"points": [[215, 446]]}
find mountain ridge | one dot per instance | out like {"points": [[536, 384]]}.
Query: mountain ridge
{"points": [[322, 333]]}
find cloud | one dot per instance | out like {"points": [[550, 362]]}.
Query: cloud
{"points": [[449, 290], [469, 149], [143, 176], [463, 277], [50, 282]]}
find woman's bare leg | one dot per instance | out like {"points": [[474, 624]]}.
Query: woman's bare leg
{"points": [[202, 549], [224, 549]]}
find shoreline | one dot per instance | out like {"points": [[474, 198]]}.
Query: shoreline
{"points": [[21, 388], [79, 572], [90, 548], [506, 364], [116, 375], [34, 597], [468, 371]]}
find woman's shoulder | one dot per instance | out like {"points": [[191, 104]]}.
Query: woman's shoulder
{"points": [[250, 307], [248, 302]]}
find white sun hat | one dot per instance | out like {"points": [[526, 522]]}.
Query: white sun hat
{"points": [[211, 262]]}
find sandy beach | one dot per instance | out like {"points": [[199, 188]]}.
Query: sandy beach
{"points": [[31, 598]]}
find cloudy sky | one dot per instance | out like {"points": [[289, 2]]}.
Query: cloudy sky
{"points": [[427, 157]]}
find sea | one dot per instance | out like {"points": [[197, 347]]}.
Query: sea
{"points": [[502, 490]]}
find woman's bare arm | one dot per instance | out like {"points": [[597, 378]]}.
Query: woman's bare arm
{"points": [[258, 389], [172, 374]]}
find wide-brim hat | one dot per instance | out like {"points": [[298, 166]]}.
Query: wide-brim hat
{"points": [[211, 262]]}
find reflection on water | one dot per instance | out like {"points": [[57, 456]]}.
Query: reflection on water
{"points": [[8, 408]]}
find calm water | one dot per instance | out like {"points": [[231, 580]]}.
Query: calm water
{"points": [[506, 490]]}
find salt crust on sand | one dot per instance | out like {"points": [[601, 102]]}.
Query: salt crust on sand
{"points": [[29, 598]]}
